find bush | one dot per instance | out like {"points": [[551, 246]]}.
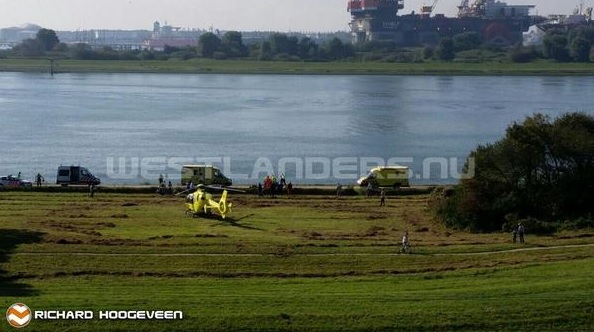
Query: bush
{"points": [[446, 50], [541, 170], [521, 54], [400, 57], [183, 55], [478, 55], [579, 223], [219, 55], [428, 52], [286, 57]]}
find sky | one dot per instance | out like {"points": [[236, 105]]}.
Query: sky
{"points": [[241, 15]]}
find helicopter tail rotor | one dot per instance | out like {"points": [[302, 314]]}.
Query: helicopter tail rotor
{"points": [[224, 207]]}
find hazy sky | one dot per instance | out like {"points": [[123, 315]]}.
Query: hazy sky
{"points": [[278, 15]]}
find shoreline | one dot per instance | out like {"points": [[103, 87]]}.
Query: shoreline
{"points": [[313, 189], [253, 67]]}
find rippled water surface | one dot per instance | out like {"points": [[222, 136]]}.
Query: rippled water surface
{"points": [[317, 129]]}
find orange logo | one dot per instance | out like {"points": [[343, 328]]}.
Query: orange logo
{"points": [[18, 315]]}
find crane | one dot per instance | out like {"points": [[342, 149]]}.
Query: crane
{"points": [[464, 8], [427, 10]]}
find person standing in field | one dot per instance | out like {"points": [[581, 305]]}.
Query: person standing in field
{"points": [[383, 197], [91, 190], [267, 185], [39, 179], [405, 243], [521, 232]]}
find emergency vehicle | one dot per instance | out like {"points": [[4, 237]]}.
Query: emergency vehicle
{"points": [[76, 175]]}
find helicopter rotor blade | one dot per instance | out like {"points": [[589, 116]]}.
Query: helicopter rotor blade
{"points": [[222, 188], [233, 190], [185, 192]]}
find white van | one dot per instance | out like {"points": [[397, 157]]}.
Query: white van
{"points": [[75, 175], [386, 176]]}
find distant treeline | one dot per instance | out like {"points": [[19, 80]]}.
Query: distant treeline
{"points": [[568, 45]]}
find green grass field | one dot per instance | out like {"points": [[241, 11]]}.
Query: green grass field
{"points": [[294, 68], [303, 263]]}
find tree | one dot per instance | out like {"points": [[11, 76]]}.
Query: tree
{"points": [[541, 170], [586, 33], [232, 45], [281, 43], [265, 51], [467, 41], [335, 49], [82, 51], [428, 52], [446, 50], [30, 48], [208, 44], [47, 38], [308, 49], [580, 49], [555, 47], [61, 47]]}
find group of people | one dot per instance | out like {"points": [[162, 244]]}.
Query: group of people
{"points": [[518, 233], [368, 192], [165, 187], [272, 186]]}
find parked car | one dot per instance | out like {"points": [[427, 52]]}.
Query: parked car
{"points": [[14, 182]]}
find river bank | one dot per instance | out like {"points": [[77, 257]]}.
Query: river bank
{"points": [[249, 190], [207, 66]]}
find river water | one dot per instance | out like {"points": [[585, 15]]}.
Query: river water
{"points": [[129, 128]]}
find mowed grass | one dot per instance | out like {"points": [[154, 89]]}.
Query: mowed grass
{"points": [[297, 263]]}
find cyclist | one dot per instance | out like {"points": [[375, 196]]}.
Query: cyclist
{"points": [[405, 243]]}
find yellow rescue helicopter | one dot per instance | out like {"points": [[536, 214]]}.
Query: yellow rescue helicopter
{"points": [[202, 203]]}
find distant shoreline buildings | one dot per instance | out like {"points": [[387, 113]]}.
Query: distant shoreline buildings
{"points": [[161, 35], [371, 20]]}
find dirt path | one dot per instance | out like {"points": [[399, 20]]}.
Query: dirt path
{"points": [[312, 255]]}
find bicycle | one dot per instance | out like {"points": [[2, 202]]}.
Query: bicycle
{"points": [[405, 248]]}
